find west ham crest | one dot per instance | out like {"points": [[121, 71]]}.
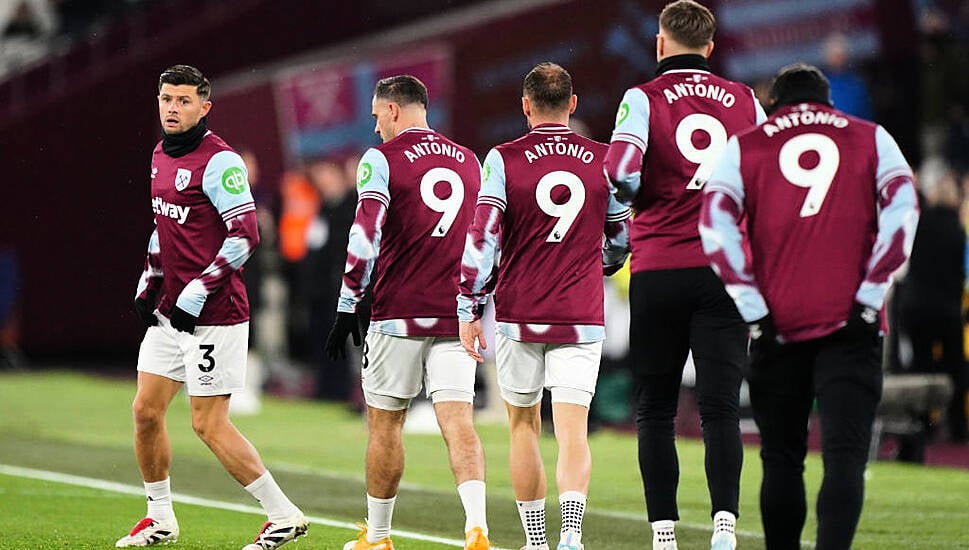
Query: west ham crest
{"points": [[182, 179]]}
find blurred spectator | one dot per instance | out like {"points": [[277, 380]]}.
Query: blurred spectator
{"points": [[322, 270], [944, 82], [930, 296], [10, 356], [25, 27], [299, 204], [255, 269], [849, 92]]}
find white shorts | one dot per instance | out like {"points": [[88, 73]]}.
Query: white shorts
{"points": [[569, 371], [395, 366], [210, 362]]}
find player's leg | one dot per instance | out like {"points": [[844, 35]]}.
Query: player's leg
{"points": [[718, 338], [215, 362], [781, 394], [658, 345], [521, 374], [571, 374], [160, 377], [848, 378], [391, 376], [450, 385]]}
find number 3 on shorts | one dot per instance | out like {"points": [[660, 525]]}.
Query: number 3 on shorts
{"points": [[209, 363]]}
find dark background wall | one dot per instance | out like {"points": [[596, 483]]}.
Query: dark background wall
{"points": [[77, 133]]}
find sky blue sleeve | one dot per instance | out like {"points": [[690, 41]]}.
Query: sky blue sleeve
{"points": [[373, 177], [726, 174], [226, 183], [363, 242], [632, 119], [891, 162], [493, 180], [721, 237]]}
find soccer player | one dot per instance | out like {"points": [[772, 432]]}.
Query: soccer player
{"points": [[193, 300], [669, 133], [831, 212], [416, 199], [545, 199]]}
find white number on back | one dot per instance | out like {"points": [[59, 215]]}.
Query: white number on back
{"points": [[450, 206], [817, 179], [568, 210], [707, 157]]}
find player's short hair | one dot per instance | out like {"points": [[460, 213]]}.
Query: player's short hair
{"points": [[688, 23], [548, 86], [799, 83], [178, 75], [402, 89]]}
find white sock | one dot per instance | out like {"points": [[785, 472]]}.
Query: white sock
{"points": [[379, 513], [724, 522], [663, 533], [532, 514], [159, 497], [572, 504], [277, 506], [472, 495]]}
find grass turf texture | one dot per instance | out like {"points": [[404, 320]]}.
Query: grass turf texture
{"points": [[82, 425]]}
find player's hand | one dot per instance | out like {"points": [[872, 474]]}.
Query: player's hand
{"points": [[346, 324], [469, 332], [863, 322], [763, 339], [182, 320], [145, 308]]}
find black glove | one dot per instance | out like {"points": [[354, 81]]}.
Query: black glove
{"points": [[763, 339], [182, 320], [479, 310], [345, 324], [863, 322], [145, 308], [610, 270]]}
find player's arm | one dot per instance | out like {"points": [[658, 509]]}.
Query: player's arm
{"points": [[897, 219], [615, 243], [759, 114], [152, 275], [146, 294], [480, 255], [480, 258], [624, 159], [363, 246], [723, 207], [226, 184]]}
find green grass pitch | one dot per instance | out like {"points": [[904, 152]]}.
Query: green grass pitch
{"points": [[81, 425]]}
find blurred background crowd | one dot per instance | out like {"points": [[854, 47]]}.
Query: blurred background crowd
{"points": [[292, 84]]}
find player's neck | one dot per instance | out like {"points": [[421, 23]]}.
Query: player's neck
{"points": [[548, 120], [683, 61], [411, 123]]}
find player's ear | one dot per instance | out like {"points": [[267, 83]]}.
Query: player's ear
{"points": [[709, 50], [526, 107], [394, 111], [660, 46], [573, 101], [206, 107]]}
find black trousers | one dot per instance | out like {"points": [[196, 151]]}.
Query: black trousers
{"points": [[672, 312], [844, 375]]}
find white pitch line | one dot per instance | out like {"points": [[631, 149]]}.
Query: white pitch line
{"points": [[113, 486]]}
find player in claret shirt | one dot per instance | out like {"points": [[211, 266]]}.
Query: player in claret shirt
{"points": [[416, 199], [669, 133], [831, 214], [545, 199], [193, 300]]}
